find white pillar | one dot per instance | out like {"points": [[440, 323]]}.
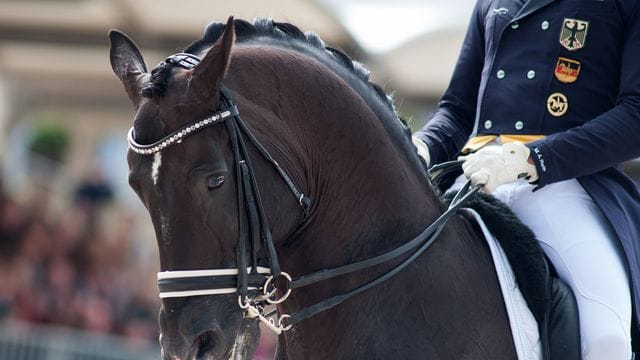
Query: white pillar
{"points": [[4, 113]]}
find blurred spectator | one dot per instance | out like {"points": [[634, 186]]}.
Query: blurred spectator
{"points": [[93, 190]]}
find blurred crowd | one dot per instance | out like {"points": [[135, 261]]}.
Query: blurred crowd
{"points": [[81, 266], [77, 267]]}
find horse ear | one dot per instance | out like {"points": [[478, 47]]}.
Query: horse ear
{"points": [[207, 77], [127, 63]]}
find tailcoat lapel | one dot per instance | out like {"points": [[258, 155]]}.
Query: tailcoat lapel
{"points": [[530, 7]]}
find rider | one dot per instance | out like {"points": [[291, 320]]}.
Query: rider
{"points": [[545, 104]]}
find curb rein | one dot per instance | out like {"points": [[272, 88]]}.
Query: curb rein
{"points": [[256, 286]]}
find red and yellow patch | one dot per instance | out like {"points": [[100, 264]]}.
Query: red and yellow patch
{"points": [[567, 70]]}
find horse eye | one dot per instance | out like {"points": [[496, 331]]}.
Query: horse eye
{"points": [[215, 182]]}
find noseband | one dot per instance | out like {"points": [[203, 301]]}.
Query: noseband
{"points": [[258, 286]]}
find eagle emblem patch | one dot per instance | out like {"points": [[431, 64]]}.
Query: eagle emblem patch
{"points": [[573, 34], [567, 70]]}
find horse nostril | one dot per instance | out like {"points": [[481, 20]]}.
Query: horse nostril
{"points": [[207, 343]]}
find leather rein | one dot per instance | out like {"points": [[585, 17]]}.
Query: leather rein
{"points": [[256, 286]]}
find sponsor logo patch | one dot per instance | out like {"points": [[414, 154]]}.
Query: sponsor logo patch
{"points": [[573, 34], [567, 70]]}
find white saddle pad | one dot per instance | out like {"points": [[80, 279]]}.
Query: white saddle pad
{"points": [[523, 325]]}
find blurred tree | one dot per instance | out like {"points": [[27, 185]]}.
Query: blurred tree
{"points": [[49, 140]]}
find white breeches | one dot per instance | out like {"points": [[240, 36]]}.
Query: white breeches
{"points": [[584, 249]]}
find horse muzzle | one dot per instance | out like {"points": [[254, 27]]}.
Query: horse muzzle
{"points": [[195, 332]]}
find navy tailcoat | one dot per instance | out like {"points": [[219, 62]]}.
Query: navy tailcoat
{"points": [[567, 71]]}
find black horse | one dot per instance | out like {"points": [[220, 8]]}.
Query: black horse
{"points": [[273, 150]]}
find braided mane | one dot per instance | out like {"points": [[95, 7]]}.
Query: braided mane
{"points": [[264, 29], [269, 32]]}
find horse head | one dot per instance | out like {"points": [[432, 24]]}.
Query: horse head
{"points": [[233, 202], [191, 192]]}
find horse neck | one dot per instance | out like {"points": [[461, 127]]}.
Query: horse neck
{"points": [[368, 193], [335, 147], [368, 197]]}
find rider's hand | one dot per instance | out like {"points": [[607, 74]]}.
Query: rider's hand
{"points": [[493, 166], [423, 150]]}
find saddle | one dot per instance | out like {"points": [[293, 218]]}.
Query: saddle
{"points": [[550, 300]]}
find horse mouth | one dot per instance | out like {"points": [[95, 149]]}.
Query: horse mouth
{"points": [[207, 346]]}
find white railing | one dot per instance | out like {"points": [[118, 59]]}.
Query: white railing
{"points": [[28, 342]]}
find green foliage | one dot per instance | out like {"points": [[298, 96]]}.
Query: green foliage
{"points": [[50, 140]]}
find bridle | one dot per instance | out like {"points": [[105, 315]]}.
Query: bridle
{"points": [[257, 286]]}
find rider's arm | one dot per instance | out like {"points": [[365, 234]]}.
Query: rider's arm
{"points": [[453, 121]]}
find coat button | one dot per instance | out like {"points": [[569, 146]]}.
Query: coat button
{"points": [[515, 25], [544, 25], [531, 74], [488, 124], [519, 125], [500, 74]]}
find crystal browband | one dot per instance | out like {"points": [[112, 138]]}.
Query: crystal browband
{"points": [[178, 135]]}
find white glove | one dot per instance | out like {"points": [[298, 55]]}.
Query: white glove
{"points": [[423, 150], [493, 166]]}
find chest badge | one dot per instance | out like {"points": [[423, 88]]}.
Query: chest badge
{"points": [[567, 70], [573, 34], [557, 104]]}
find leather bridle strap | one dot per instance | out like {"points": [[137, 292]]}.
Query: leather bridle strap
{"points": [[252, 220], [464, 193], [171, 284], [425, 240], [304, 201], [242, 284], [251, 194]]}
